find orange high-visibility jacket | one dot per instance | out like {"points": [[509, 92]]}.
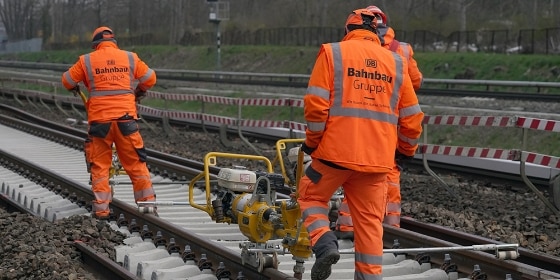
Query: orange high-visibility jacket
{"points": [[358, 93], [109, 74], [387, 37]]}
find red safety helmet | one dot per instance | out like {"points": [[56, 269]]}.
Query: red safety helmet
{"points": [[361, 19], [101, 34], [378, 13]]}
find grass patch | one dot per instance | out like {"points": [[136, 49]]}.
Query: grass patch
{"points": [[300, 60], [275, 113]]}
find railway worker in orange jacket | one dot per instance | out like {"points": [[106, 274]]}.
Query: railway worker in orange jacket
{"points": [[357, 95], [344, 226], [387, 36], [110, 75]]}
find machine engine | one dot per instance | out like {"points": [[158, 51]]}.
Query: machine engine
{"points": [[248, 198]]}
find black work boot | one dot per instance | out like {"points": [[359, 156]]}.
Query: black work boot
{"points": [[326, 254]]}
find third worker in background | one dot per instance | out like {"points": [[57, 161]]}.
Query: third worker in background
{"points": [[344, 224], [357, 95], [387, 37]]}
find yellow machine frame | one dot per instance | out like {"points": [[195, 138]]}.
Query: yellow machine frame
{"points": [[285, 223], [280, 149]]}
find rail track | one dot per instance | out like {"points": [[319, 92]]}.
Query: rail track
{"points": [[504, 90], [169, 168], [219, 243]]}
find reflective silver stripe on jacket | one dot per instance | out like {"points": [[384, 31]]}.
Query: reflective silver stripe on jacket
{"points": [[316, 126], [404, 47], [410, 111], [69, 79], [405, 139], [92, 87], [145, 77], [338, 110], [325, 94], [108, 92]]}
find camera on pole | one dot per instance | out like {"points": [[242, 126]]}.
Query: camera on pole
{"points": [[219, 11]]}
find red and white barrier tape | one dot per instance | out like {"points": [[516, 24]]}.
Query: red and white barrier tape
{"points": [[538, 124], [502, 121], [467, 151]]}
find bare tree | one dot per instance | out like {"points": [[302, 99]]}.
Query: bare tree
{"points": [[168, 20], [462, 7], [17, 17], [177, 19]]}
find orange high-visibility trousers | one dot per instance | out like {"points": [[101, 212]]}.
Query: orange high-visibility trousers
{"points": [[366, 194], [393, 216], [132, 155], [344, 219]]}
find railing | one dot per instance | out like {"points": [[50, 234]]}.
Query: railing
{"points": [[301, 80], [293, 129], [520, 155]]}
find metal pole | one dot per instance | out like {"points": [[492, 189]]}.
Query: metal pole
{"points": [[509, 251], [218, 53]]}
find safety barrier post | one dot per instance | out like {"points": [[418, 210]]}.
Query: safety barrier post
{"points": [[56, 100], [77, 111], [429, 170], [223, 136], [43, 103], [515, 155], [291, 133], [17, 99], [139, 109], [164, 117], [202, 112], [240, 132], [523, 173], [30, 102]]}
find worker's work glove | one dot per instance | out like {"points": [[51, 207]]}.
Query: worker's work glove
{"points": [[75, 90], [139, 94], [306, 149], [402, 160]]}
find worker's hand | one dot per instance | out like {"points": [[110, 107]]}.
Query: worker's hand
{"points": [[139, 94], [75, 90], [402, 160], [306, 149]]}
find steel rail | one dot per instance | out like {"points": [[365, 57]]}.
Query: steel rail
{"points": [[172, 169], [527, 257], [170, 229], [465, 260], [430, 85], [198, 244], [101, 264]]}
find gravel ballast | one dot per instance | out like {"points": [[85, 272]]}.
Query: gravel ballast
{"points": [[36, 249]]}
